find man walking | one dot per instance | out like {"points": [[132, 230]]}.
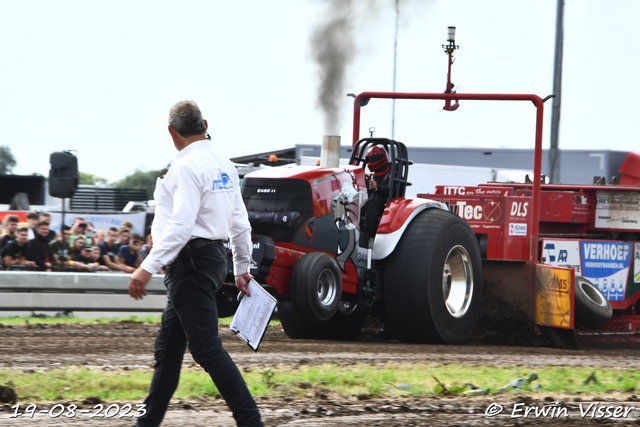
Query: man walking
{"points": [[198, 205]]}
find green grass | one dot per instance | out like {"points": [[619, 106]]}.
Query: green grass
{"points": [[75, 383], [56, 320], [67, 320]]}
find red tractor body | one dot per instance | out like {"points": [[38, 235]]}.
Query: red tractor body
{"points": [[568, 256]]}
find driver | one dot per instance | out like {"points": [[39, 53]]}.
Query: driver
{"points": [[378, 193]]}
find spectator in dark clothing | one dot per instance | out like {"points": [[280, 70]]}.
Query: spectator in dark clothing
{"points": [[38, 249], [129, 255], [85, 255], [109, 250], [14, 252], [84, 260], [11, 221], [95, 255], [47, 217], [60, 247]]}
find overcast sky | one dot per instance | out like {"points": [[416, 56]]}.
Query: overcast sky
{"points": [[100, 77]]}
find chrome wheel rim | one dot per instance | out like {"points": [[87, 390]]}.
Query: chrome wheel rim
{"points": [[457, 281], [327, 287]]}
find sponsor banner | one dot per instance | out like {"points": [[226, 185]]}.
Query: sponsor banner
{"points": [[562, 253], [22, 215], [517, 229], [636, 264], [101, 221], [606, 264], [618, 210]]}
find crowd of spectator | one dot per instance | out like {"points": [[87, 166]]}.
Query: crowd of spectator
{"points": [[32, 245]]}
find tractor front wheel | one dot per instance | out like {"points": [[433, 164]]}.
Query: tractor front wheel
{"points": [[316, 286], [433, 280]]}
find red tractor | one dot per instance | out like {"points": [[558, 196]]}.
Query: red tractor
{"points": [[423, 274], [568, 256]]}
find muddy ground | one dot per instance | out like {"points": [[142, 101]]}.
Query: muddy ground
{"points": [[129, 345]]}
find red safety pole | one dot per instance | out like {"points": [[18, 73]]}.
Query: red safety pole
{"points": [[364, 97]]}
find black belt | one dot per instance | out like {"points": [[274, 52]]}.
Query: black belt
{"points": [[186, 254], [199, 242]]}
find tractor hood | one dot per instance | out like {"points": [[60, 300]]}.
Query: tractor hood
{"points": [[307, 173]]}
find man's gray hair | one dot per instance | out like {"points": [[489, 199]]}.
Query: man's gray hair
{"points": [[185, 117]]}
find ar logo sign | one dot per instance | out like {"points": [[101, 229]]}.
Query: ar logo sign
{"points": [[551, 250]]}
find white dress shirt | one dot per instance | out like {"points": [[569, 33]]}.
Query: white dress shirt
{"points": [[199, 197]]}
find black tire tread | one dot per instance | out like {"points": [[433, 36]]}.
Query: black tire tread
{"points": [[588, 313], [411, 267], [303, 283]]}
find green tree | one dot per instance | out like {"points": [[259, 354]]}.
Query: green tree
{"points": [[141, 179], [7, 161], [90, 179]]}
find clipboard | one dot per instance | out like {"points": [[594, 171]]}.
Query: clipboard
{"points": [[252, 317]]}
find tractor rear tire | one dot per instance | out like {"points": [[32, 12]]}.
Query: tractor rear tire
{"points": [[316, 286], [344, 327], [593, 310], [433, 280]]}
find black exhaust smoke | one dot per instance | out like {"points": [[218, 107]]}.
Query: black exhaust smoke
{"points": [[333, 48]]}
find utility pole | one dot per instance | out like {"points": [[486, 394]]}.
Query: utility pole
{"points": [[395, 60], [554, 160]]}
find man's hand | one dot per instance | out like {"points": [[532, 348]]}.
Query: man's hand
{"points": [[242, 281], [138, 283], [373, 185]]}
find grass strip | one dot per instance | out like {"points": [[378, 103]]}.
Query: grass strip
{"points": [[75, 383], [89, 320], [226, 321], [82, 320]]}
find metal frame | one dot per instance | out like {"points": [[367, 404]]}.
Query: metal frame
{"points": [[363, 99], [398, 158]]}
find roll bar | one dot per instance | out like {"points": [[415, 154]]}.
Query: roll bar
{"points": [[363, 99]]}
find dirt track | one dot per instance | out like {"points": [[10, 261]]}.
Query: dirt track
{"points": [[130, 344]]}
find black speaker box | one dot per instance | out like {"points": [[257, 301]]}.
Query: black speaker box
{"points": [[63, 175]]}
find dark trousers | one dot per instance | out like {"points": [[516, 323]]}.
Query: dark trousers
{"points": [[370, 219], [191, 318]]}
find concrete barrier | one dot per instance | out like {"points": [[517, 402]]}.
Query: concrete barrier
{"points": [[52, 291]]}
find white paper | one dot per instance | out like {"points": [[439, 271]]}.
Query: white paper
{"points": [[253, 315]]}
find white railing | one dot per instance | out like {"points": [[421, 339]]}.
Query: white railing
{"points": [[52, 291]]}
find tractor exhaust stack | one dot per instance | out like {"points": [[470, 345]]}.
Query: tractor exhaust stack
{"points": [[330, 154]]}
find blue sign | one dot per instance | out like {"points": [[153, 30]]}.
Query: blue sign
{"points": [[606, 264]]}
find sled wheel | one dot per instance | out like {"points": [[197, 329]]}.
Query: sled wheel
{"points": [[593, 310], [340, 327], [226, 302], [433, 280], [316, 286]]}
